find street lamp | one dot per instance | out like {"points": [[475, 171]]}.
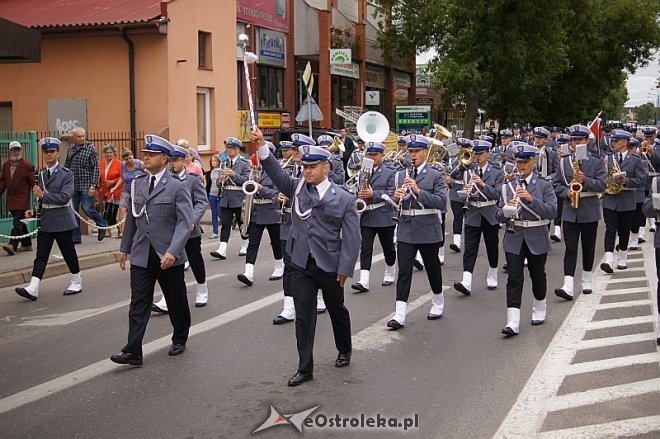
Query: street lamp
{"points": [[657, 103]]}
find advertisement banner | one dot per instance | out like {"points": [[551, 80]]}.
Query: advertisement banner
{"points": [[375, 78], [340, 56], [271, 47], [269, 120], [348, 70], [244, 125], [271, 14], [412, 118]]}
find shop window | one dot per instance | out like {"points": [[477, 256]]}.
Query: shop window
{"points": [[204, 46], [240, 77], [271, 87], [204, 118], [6, 121]]}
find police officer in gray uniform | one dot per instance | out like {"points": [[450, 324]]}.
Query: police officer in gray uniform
{"points": [[651, 210], [548, 162], [483, 186], [456, 182], [422, 195], [54, 189], [263, 217], [579, 223], [619, 209], [639, 220], [194, 244], [536, 205], [236, 172], [158, 222], [323, 244], [337, 174], [377, 219]]}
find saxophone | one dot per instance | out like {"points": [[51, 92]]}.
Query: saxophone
{"points": [[613, 186], [575, 186]]}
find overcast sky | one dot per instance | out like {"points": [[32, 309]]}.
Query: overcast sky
{"points": [[641, 85]]}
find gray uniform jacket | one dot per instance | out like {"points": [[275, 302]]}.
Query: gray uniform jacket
{"points": [[456, 175], [650, 212], [198, 197], [483, 200], [382, 183], [422, 229], [544, 204], [263, 211], [56, 215], [232, 194], [331, 234], [336, 174], [162, 220], [595, 174], [636, 174], [285, 228], [551, 159]]}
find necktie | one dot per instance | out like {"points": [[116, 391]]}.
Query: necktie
{"points": [[620, 157], [48, 173], [415, 174], [298, 171], [481, 173], [152, 184]]}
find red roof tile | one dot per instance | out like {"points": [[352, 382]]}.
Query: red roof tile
{"points": [[69, 13]]}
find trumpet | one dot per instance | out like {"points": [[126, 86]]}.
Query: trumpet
{"points": [[337, 145], [466, 157]]}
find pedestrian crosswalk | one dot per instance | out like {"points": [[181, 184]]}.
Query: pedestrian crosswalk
{"points": [[600, 377]]}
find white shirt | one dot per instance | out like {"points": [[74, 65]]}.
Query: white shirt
{"points": [[158, 176], [323, 187], [52, 169], [419, 168]]}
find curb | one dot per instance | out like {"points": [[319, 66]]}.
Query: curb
{"points": [[23, 275]]}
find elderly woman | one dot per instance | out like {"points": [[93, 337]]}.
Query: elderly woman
{"points": [[130, 168], [111, 184]]}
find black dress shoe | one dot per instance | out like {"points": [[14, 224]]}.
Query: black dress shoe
{"points": [[177, 349], [359, 288], [433, 316], [418, 265], [10, 249], [300, 377], [200, 304], [158, 309], [100, 235], [641, 240], [24, 293], [343, 360], [508, 331], [555, 238], [387, 283], [504, 267], [621, 267], [275, 277], [71, 292], [563, 294], [244, 279], [461, 288], [588, 291], [217, 255], [537, 322], [606, 268], [280, 320], [321, 311], [393, 324], [455, 248], [127, 358]]}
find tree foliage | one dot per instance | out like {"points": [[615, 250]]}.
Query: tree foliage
{"points": [[645, 114], [550, 62]]}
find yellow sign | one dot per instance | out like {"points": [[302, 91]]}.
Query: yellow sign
{"points": [[244, 125], [270, 120]]}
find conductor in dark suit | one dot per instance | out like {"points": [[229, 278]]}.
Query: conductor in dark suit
{"points": [[17, 179], [324, 242], [158, 223]]}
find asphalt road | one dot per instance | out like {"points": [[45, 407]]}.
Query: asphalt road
{"points": [[457, 376]]}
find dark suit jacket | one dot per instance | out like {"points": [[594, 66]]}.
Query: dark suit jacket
{"points": [[19, 188]]}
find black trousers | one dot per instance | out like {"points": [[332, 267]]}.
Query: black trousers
{"points": [[45, 244], [472, 241], [617, 223], [407, 253], [194, 252], [173, 284], [560, 209], [515, 265], [386, 238], [572, 232], [227, 215], [639, 220], [19, 228], [254, 239], [442, 227], [286, 277], [459, 213], [657, 271], [110, 213], [306, 284]]}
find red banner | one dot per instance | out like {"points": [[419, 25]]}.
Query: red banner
{"points": [[271, 14]]}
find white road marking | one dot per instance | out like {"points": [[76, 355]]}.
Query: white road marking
{"points": [[624, 428], [613, 323], [625, 291], [602, 394], [626, 304], [625, 280], [611, 363], [612, 341]]}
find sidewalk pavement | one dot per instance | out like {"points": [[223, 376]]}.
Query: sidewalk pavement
{"points": [[17, 269]]}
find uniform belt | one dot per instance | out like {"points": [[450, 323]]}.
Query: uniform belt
{"points": [[629, 188], [481, 203], [286, 210], [588, 194], [417, 212], [375, 206], [654, 174], [458, 181], [233, 188], [262, 201], [525, 223], [53, 206]]}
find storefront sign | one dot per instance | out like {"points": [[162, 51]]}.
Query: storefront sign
{"points": [[375, 78], [421, 91], [66, 114], [269, 120], [340, 56], [423, 81], [348, 70], [412, 117], [286, 120], [401, 79], [272, 14], [372, 97], [401, 94], [424, 101], [271, 47]]}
